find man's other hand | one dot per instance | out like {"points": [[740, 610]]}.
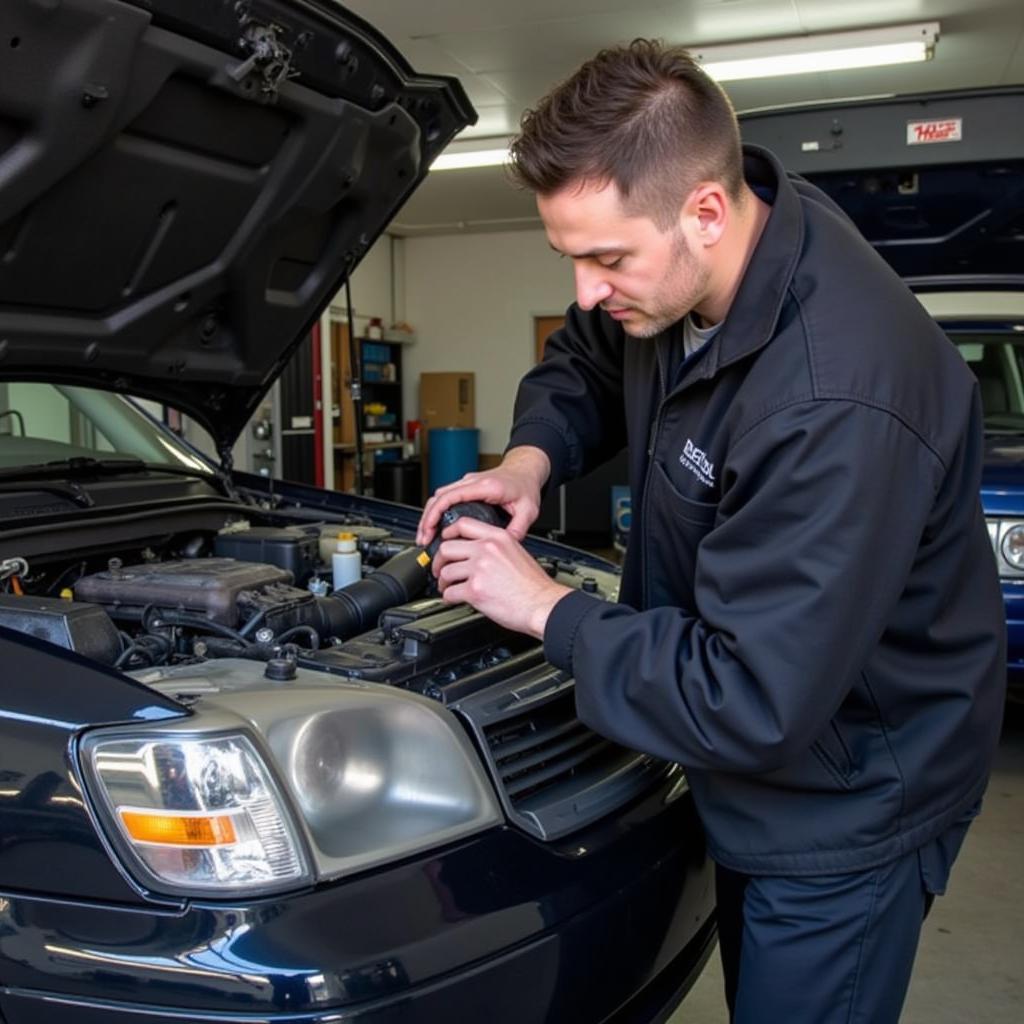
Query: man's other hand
{"points": [[514, 485], [489, 569]]}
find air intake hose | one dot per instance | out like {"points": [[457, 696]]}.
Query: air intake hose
{"points": [[356, 608]]}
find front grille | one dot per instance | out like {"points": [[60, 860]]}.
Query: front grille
{"points": [[534, 752], [554, 775]]}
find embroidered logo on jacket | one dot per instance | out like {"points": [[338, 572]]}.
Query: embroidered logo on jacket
{"points": [[696, 461]]}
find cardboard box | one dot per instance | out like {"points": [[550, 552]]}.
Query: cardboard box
{"points": [[447, 400]]}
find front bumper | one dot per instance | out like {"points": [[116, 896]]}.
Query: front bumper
{"points": [[1013, 598], [612, 926]]}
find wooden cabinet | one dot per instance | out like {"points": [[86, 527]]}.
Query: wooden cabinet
{"points": [[383, 423]]}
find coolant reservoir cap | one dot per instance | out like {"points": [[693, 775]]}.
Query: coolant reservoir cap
{"points": [[346, 542], [280, 670]]}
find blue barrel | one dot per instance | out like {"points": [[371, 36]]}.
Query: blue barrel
{"points": [[454, 451]]}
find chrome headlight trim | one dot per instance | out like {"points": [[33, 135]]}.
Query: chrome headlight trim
{"points": [[1011, 546], [1007, 537]]}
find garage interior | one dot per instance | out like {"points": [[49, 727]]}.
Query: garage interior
{"points": [[463, 287]]}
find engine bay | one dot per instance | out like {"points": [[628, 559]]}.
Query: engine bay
{"points": [[253, 586], [255, 591]]}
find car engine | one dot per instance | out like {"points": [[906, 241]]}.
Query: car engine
{"points": [[258, 593]]}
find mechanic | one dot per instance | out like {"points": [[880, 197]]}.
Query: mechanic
{"points": [[810, 620]]}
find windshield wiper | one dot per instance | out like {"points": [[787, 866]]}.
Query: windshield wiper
{"points": [[76, 466], [71, 490]]}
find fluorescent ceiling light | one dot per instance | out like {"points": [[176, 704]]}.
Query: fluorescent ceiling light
{"points": [[769, 58], [838, 51], [455, 160]]}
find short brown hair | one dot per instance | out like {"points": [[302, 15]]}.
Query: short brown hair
{"points": [[644, 116]]}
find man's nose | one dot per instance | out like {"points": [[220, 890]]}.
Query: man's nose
{"points": [[591, 286]]}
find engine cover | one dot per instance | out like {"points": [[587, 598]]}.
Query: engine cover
{"points": [[211, 587]]}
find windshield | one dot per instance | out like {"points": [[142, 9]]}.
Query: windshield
{"points": [[997, 360], [47, 422]]}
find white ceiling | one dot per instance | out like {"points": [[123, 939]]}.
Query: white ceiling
{"points": [[509, 53]]}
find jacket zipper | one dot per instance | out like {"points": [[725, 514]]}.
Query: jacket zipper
{"points": [[658, 353], [652, 441]]}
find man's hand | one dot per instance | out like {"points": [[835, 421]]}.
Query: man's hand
{"points": [[489, 569], [514, 485]]}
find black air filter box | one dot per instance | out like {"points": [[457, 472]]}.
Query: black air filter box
{"points": [[287, 547], [84, 628]]}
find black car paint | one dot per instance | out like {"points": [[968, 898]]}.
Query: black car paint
{"points": [[502, 925], [173, 218], [49, 696], [590, 928]]}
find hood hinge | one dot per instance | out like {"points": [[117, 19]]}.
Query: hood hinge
{"points": [[269, 58]]}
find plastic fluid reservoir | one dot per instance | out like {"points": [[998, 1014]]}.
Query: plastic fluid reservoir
{"points": [[346, 562], [329, 535]]}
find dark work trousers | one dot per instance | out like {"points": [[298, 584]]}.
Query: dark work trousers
{"points": [[831, 949]]}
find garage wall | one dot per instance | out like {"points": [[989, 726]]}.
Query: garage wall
{"points": [[371, 296], [371, 285], [472, 299]]}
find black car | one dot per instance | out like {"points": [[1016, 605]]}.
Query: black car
{"points": [[228, 792]]}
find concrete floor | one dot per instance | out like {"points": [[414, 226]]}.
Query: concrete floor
{"points": [[970, 968]]}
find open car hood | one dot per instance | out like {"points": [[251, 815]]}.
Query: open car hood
{"points": [[935, 182], [184, 184]]}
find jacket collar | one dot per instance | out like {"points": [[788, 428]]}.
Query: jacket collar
{"points": [[754, 314]]}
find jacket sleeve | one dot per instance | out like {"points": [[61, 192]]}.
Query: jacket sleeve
{"points": [[823, 510], [571, 403]]}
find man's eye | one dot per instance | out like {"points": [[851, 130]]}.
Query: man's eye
{"points": [[611, 264]]}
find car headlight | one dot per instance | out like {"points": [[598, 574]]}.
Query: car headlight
{"points": [[195, 814], [381, 777], [1012, 546], [268, 786], [1007, 537]]}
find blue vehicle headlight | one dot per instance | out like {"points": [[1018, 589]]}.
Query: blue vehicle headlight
{"points": [[1007, 536], [1012, 546]]}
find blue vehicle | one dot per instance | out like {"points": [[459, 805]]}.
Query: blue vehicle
{"points": [[226, 793], [988, 329], [936, 184]]}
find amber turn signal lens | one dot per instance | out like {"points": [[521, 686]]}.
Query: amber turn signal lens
{"points": [[179, 830]]}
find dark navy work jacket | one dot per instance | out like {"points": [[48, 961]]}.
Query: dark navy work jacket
{"points": [[810, 619]]}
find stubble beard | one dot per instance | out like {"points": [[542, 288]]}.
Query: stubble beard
{"points": [[682, 287]]}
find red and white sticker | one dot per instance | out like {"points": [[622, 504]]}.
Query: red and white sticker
{"points": [[922, 133]]}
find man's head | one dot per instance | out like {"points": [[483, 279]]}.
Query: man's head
{"points": [[637, 168]]}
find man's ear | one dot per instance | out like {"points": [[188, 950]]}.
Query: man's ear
{"points": [[706, 213]]}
